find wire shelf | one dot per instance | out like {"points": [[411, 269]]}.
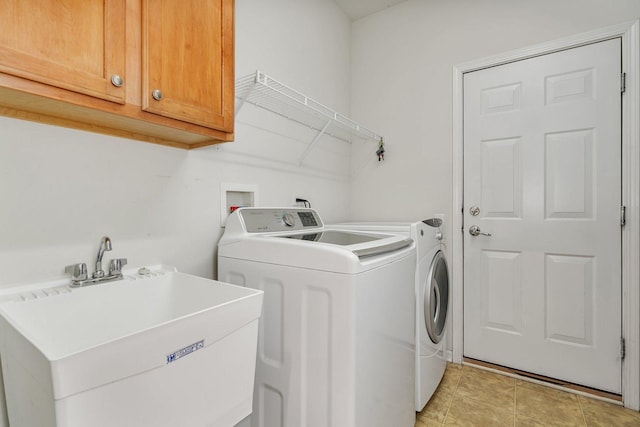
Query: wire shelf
{"points": [[268, 93]]}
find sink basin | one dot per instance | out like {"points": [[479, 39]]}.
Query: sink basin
{"points": [[164, 348]]}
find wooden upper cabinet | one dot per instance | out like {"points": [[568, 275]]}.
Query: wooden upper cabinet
{"points": [[61, 62], [188, 61], [77, 45]]}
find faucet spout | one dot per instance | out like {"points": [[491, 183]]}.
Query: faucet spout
{"points": [[105, 245]]}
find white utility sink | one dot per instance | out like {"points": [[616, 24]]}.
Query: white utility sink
{"points": [[160, 349]]}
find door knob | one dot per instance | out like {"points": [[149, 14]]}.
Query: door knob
{"points": [[474, 230]]}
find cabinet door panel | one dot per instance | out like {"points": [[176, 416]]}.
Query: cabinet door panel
{"points": [[188, 55], [72, 44]]}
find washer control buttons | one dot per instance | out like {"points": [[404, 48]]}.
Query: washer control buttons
{"points": [[308, 220]]}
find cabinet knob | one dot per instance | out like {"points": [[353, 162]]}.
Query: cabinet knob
{"points": [[157, 95], [117, 80]]}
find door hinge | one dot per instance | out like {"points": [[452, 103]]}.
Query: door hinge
{"points": [[623, 82], [623, 349], [623, 215]]}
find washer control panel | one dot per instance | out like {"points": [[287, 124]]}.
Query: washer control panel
{"points": [[268, 220]]}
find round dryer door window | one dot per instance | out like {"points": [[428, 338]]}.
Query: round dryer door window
{"points": [[436, 298]]}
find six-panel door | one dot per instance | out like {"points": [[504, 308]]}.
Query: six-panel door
{"points": [[542, 156]]}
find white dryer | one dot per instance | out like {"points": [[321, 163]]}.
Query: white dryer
{"points": [[336, 342], [432, 298]]}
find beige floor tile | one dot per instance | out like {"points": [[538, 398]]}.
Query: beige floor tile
{"points": [[600, 414], [539, 405], [531, 423], [453, 369], [488, 387], [449, 382], [469, 412], [437, 407], [427, 423], [470, 397]]}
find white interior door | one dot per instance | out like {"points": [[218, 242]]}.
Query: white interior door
{"points": [[542, 165]]}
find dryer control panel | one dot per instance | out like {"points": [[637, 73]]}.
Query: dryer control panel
{"points": [[267, 220]]}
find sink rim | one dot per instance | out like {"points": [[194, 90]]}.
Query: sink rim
{"points": [[89, 340]]}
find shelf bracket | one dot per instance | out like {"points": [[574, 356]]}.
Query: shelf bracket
{"points": [[314, 142]]}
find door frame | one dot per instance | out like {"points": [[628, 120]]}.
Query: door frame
{"points": [[629, 32]]}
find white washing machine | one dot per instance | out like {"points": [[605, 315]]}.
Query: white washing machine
{"points": [[336, 344], [432, 298]]}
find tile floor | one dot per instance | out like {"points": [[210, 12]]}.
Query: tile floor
{"points": [[469, 396]]}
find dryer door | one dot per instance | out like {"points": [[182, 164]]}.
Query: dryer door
{"points": [[436, 298]]}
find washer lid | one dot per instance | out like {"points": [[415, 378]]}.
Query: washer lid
{"points": [[346, 238], [342, 238], [264, 235], [403, 228]]}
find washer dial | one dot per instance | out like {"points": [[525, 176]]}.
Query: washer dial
{"points": [[289, 219]]}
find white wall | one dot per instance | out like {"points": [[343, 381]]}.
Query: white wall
{"points": [[402, 61], [402, 67], [62, 189]]}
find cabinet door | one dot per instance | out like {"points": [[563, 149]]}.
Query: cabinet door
{"points": [[188, 61], [72, 44]]}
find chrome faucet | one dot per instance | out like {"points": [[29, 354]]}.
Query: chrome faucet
{"points": [[105, 245], [79, 275]]}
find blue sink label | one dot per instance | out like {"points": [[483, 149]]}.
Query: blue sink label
{"points": [[185, 351]]}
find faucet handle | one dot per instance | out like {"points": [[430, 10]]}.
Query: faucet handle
{"points": [[77, 271], [115, 266]]}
